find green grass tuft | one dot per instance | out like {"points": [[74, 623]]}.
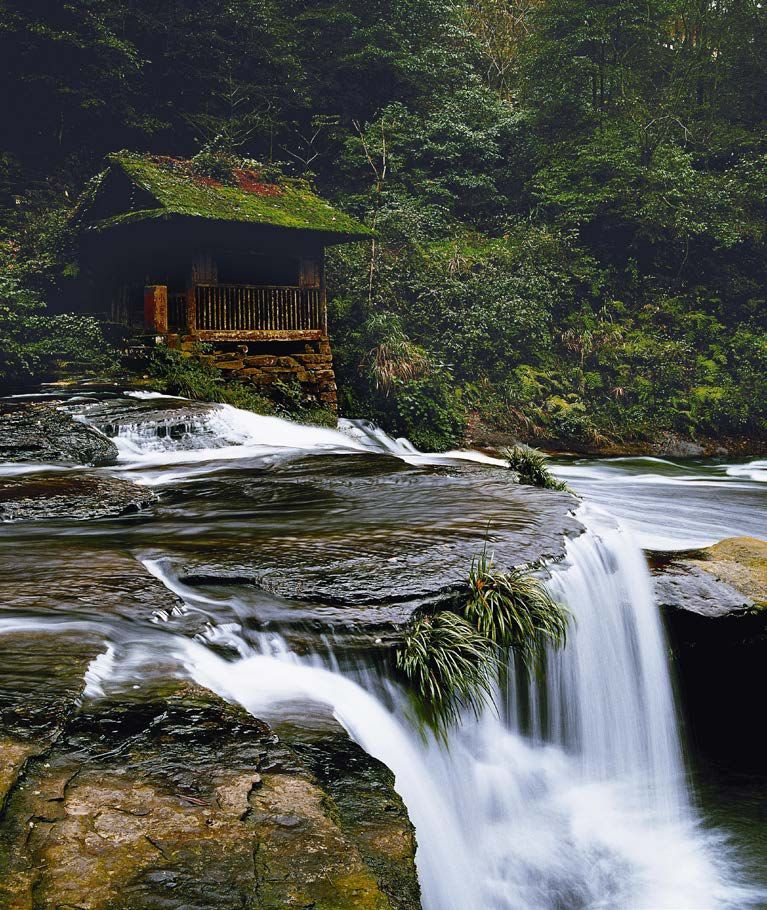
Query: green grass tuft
{"points": [[514, 610], [530, 465], [452, 660], [450, 665]]}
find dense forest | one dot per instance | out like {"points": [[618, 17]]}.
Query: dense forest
{"points": [[569, 198]]}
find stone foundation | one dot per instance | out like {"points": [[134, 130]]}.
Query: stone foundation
{"points": [[264, 364]]}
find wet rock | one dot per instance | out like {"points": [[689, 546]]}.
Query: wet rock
{"points": [[32, 432], [672, 445], [40, 496], [683, 585], [713, 605], [741, 563], [369, 810], [169, 804], [361, 546]]}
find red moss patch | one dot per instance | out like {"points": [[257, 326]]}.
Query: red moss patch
{"points": [[251, 182], [207, 181]]}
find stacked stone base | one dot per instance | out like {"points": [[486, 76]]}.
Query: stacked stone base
{"points": [[311, 367]]}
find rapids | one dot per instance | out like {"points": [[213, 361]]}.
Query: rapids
{"points": [[712, 499], [573, 795]]}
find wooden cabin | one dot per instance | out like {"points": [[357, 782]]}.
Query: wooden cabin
{"points": [[232, 260]]}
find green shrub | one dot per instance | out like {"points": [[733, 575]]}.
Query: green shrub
{"points": [[191, 377], [450, 665], [33, 344]]}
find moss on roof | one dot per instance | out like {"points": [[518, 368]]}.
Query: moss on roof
{"points": [[178, 190]]}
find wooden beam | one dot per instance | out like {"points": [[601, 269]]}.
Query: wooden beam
{"points": [[156, 308], [260, 335]]}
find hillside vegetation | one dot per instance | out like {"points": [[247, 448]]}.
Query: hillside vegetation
{"points": [[569, 197]]}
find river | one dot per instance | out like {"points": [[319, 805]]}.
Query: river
{"points": [[290, 553]]}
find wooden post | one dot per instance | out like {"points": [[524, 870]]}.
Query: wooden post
{"points": [[156, 308], [323, 293], [191, 310]]}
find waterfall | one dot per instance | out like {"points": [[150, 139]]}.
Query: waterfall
{"points": [[572, 797]]}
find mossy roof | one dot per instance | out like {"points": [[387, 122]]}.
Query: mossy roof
{"points": [[177, 191]]}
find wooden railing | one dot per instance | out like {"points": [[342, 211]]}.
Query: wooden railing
{"points": [[237, 310]]}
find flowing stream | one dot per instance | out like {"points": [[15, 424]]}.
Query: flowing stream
{"points": [[573, 795]]}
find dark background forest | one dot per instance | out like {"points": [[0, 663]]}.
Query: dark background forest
{"points": [[570, 198]]}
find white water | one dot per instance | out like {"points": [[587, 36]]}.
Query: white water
{"points": [[585, 806], [573, 798], [673, 505], [174, 449]]}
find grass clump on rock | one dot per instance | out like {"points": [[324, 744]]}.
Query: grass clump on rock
{"points": [[530, 466], [452, 658], [514, 610], [449, 663]]}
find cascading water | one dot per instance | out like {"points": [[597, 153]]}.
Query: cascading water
{"points": [[582, 805], [572, 796]]}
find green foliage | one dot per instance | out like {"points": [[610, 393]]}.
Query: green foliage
{"points": [[514, 610], [530, 466], [452, 659], [214, 164], [568, 198], [191, 377], [33, 345], [187, 376], [449, 664]]}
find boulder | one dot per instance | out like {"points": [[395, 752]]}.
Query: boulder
{"points": [[204, 808], [713, 602], [32, 432]]}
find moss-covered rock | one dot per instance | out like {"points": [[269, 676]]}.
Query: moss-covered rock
{"points": [[740, 562], [178, 801]]}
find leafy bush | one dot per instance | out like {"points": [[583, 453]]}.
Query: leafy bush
{"points": [[191, 377], [33, 344], [215, 164]]}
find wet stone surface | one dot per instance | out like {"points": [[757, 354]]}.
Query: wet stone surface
{"points": [[711, 601], [43, 496], [35, 432], [186, 802], [372, 539]]}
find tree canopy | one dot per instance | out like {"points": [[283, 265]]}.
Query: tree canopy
{"points": [[568, 196]]}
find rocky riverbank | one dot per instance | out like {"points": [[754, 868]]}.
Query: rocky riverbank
{"points": [[663, 444]]}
